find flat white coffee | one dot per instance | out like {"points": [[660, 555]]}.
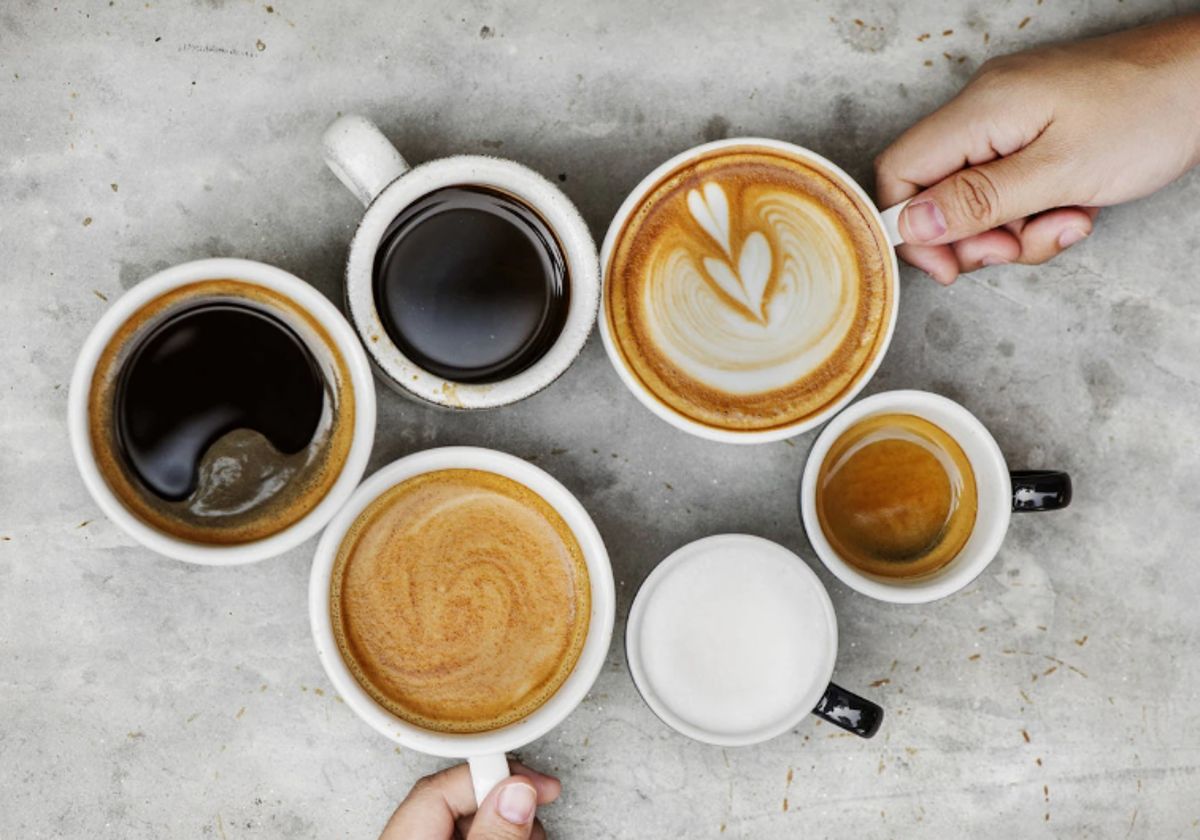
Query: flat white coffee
{"points": [[732, 640]]}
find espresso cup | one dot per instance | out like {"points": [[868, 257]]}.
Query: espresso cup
{"points": [[750, 290], [545, 340], [486, 749], [998, 492], [732, 640], [136, 460]]}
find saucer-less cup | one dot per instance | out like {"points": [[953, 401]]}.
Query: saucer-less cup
{"points": [[485, 750], [1000, 492], [312, 302], [732, 640], [886, 221], [371, 168]]}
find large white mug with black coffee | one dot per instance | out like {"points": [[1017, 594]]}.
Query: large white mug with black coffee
{"points": [[221, 411], [750, 290], [472, 281]]}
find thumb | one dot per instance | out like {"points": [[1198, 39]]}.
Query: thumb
{"points": [[987, 196], [507, 812]]}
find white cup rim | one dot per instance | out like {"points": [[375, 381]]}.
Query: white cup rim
{"points": [[254, 273], [641, 678], [635, 385], [559, 213], [595, 648], [988, 464]]}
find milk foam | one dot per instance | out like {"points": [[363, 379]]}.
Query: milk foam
{"points": [[772, 313], [734, 638]]}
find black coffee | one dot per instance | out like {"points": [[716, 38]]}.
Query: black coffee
{"points": [[471, 284], [203, 373]]}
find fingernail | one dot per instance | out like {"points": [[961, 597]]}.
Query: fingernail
{"points": [[992, 259], [1070, 236], [516, 803], [926, 220]]}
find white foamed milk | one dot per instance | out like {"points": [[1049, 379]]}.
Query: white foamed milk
{"points": [[735, 637]]}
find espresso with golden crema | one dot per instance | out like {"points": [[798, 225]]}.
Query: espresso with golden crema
{"points": [[896, 496], [460, 600], [749, 289], [221, 412]]}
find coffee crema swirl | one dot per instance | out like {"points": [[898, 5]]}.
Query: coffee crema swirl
{"points": [[749, 290], [460, 600]]}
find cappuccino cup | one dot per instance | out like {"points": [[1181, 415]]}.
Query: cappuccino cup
{"points": [[750, 290], [221, 411], [906, 496], [462, 604], [472, 281], [732, 641]]}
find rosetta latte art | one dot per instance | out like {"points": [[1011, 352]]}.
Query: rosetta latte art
{"points": [[784, 310], [749, 290]]}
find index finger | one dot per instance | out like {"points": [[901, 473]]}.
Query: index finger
{"points": [[975, 127]]}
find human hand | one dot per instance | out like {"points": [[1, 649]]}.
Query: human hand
{"points": [[442, 807], [1016, 166]]}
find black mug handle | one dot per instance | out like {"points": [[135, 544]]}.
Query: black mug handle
{"points": [[1040, 490], [849, 711]]}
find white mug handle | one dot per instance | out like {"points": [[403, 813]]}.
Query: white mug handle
{"points": [[891, 223], [362, 158], [487, 771]]}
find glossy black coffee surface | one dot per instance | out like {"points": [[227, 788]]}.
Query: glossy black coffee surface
{"points": [[205, 372], [471, 284]]}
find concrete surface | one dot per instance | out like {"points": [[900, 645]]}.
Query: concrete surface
{"points": [[144, 698]]}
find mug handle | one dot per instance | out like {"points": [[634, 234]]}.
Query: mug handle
{"points": [[487, 771], [361, 157], [1034, 490], [891, 223], [849, 711]]}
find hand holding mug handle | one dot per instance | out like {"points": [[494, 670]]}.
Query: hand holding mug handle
{"points": [[487, 771], [891, 223]]}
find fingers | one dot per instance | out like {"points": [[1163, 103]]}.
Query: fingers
{"points": [[1049, 234], [538, 833], [987, 196], [436, 803], [507, 812], [993, 247], [432, 807], [937, 261], [982, 123]]}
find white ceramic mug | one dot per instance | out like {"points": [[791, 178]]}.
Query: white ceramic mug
{"points": [[1000, 492], [886, 221], [371, 168], [308, 299], [485, 750], [732, 640]]}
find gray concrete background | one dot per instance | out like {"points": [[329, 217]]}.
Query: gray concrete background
{"points": [[140, 697]]}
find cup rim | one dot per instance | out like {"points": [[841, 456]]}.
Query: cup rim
{"points": [[591, 658], [640, 677], [254, 273], [635, 385], [954, 576], [540, 194]]}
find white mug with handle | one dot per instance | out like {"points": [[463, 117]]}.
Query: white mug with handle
{"points": [[375, 172], [484, 750]]}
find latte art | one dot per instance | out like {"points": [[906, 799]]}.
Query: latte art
{"points": [[749, 290], [786, 310]]}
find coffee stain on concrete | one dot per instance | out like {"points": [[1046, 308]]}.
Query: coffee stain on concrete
{"points": [[868, 35], [241, 712], [716, 128], [1025, 735], [84, 524], [100, 295], [486, 33], [942, 330], [1104, 387]]}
